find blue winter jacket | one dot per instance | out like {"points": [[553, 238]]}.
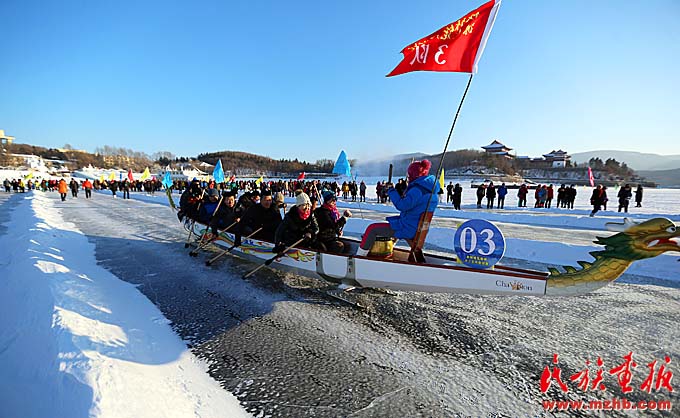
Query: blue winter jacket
{"points": [[412, 205]]}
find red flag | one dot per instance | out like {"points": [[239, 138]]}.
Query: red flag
{"points": [[590, 177], [301, 176], [232, 178], [130, 175], [456, 47]]}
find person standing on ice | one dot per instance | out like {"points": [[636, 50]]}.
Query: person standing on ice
{"points": [[638, 196], [114, 188], [126, 189], [481, 192], [625, 193], [550, 196], [598, 198], [362, 191], [490, 195], [571, 196], [457, 196], [502, 191], [522, 196], [74, 188], [87, 185], [420, 196], [63, 189]]}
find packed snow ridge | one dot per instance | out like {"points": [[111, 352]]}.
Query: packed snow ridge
{"points": [[76, 341]]}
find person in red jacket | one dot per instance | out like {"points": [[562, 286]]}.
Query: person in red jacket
{"points": [[551, 195], [87, 185]]}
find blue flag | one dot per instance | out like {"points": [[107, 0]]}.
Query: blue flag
{"points": [[218, 173], [342, 165], [167, 181]]}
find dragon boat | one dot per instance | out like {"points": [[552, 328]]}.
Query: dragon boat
{"points": [[445, 274]]}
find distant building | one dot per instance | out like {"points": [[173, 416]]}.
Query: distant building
{"points": [[5, 139], [557, 158], [496, 148]]}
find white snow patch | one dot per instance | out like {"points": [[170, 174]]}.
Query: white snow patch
{"points": [[77, 341]]}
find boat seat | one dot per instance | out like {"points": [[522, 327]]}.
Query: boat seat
{"points": [[418, 242]]}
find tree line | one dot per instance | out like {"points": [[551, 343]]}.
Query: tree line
{"points": [[243, 162]]}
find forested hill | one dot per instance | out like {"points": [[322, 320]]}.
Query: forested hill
{"points": [[243, 162]]}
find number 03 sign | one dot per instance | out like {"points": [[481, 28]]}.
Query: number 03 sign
{"points": [[479, 243]]}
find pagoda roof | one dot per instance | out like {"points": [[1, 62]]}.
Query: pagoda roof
{"points": [[558, 153], [496, 145]]}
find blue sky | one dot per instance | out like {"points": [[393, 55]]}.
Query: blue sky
{"points": [[305, 79]]}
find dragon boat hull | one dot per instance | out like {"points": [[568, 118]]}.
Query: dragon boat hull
{"points": [[439, 274]]}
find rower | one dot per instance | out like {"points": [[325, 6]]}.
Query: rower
{"points": [[416, 201], [210, 202], [227, 213], [330, 224], [189, 200], [248, 199], [298, 223], [264, 216]]}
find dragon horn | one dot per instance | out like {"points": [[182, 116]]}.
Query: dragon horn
{"points": [[618, 227]]}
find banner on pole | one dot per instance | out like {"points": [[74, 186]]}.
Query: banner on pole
{"points": [[457, 47]]}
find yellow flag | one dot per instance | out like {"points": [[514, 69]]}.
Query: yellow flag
{"points": [[29, 175], [258, 181], [145, 174], [441, 179], [112, 176], [101, 178]]}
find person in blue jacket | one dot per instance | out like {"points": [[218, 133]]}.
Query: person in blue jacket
{"points": [[417, 199]]}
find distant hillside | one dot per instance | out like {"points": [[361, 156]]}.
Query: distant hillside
{"points": [[635, 160], [245, 163], [667, 178]]}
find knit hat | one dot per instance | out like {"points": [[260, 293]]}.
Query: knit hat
{"points": [[418, 169], [328, 196], [302, 199]]}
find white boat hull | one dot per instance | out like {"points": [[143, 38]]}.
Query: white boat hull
{"points": [[438, 275]]}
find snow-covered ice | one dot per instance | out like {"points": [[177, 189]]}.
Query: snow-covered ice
{"points": [[76, 341]]}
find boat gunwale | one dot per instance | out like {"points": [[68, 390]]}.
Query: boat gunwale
{"points": [[508, 271]]}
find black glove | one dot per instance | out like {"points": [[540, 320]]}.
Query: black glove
{"points": [[308, 236], [278, 248]]}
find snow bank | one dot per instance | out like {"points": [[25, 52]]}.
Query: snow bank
{"points": [[75, 341]]}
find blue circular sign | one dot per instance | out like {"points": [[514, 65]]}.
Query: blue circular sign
{"points": [[479, 243]]}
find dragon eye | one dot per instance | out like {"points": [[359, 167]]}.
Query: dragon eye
{"points": [[671, 230]]}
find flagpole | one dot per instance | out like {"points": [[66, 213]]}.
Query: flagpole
{"points": [[423, 220], [453, 125]]}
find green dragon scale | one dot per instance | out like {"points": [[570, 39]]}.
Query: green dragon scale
{"points": [[635, 242]]}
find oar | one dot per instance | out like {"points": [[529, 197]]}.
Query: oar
{"points": [[271, 260], [203, 244], [191, 231], [200, 241], [228, 250]]}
